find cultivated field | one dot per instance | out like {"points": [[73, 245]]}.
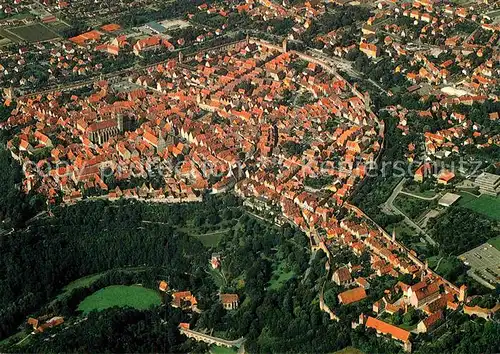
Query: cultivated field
{"points": [[36, 32], [485, 204], [121, 296]]}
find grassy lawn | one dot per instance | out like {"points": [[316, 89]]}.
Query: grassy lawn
{"points": [[121, 296], [90, 279], [445, 266], [7, 36], [407, 327], [58, 26], [401, 229], [215, 349], [432, 261], [15, 338], [211, 239], [495, 242], [83, 282], [34, 32], [390, 319], [280, 276], [485, 204]]}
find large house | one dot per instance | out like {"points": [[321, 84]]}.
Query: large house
{"points": [[352, 295], [395, 332], [422, 293], [429, 322], [229, 301], [342, 277]]}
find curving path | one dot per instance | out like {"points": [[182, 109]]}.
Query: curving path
{"points": [[419, 196]]}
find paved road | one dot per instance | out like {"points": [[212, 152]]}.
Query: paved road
{"points": [[419, 196], [389, 207]]}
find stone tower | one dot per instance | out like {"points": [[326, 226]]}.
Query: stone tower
{"points": [[368, 101], [462, 296], [285, 45]]}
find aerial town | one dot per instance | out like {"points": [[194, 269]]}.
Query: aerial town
{"points": [[370, 127]]}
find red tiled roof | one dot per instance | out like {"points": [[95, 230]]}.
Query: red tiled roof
{"points": [[343, 274], [229, 298], [386, 328], [432, 319], [352, 295]]}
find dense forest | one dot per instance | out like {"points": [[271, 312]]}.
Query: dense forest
{"points": [[96, 236], [274, 316], [118, 331], [93, 237], [459, 230]]}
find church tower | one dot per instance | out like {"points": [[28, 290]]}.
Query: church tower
{"points": [[119, 122]]}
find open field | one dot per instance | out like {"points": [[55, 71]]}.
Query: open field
{"points": [[445, 266], [121, 296], [85, 281], [215, 349], [90, 279], [36, 32], [485, 204], [349, 350], [210, 239], [495, 242], [6, 37], [58, 26]]}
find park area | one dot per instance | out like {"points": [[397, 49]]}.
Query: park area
{"points": [[280, 276], [485, 204], [35, 32], [122, 296]]}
